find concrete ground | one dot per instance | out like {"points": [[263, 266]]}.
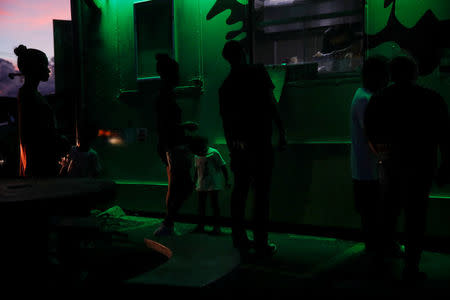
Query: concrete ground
{"points": [[209, 263]]}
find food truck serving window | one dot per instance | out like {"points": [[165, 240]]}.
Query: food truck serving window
{"points": [[324, 33], [153, 21]]}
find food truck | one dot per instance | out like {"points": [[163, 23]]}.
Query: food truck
{"points": [[313, 51]]}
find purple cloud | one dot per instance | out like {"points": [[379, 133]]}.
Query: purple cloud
{"points": [[10, 87]]}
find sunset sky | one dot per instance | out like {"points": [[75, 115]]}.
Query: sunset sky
{"points": [[29, 22]]}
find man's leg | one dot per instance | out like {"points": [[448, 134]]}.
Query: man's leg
{"points": [[238, 201], [169, 189], [171, 195], [263, 178], [179, 189], [392, 188], [415, 225]]}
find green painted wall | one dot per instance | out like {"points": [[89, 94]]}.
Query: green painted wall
{"points": [[109, 68], [312, 180]]}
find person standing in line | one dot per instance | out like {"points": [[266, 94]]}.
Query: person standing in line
{"points": [[248, 109], [366, 190], [407, 124]]}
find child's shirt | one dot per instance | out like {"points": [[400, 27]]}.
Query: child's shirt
{"points": [[209, 171], [83, 164]]}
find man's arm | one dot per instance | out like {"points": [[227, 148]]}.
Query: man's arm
{"points": [[225, 175], [225, 115], [443, 176]]}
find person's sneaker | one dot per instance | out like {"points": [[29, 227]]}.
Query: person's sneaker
{"points": [[164, 230], [266, 251]]}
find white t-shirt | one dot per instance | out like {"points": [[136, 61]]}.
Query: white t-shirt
{"points": [[363, 160], [209, 173]]}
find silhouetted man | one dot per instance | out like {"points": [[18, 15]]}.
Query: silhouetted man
{"points": [[406, 124], [248, 108]]}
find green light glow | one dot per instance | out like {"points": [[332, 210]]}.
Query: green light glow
{"points": [[440, 196], [139, 182], [244, 2], [149, 78], [219, 141]]}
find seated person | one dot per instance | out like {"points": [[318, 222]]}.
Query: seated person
{"points": [[82, 161]]}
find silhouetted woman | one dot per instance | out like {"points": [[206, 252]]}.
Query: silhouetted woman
{"points": [[37, 133], [173, 143], [26, 246]]}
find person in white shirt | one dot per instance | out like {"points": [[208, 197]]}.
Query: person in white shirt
{"points": [[211, 176], [375, 77]]}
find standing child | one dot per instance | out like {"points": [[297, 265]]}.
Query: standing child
{"points": [[211, 176]]}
